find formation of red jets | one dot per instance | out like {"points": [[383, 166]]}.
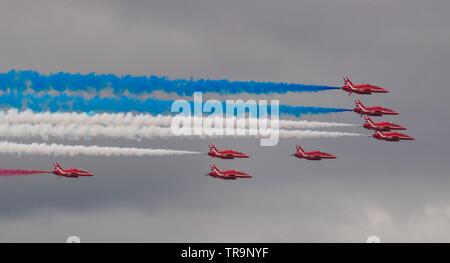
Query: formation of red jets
{"points": [[232, 154], [226, 154], [386, 131], [383, 130]]}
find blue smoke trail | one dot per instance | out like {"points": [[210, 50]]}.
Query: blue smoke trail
{"points": [[21, 80], [67, 103], [298, 111]]}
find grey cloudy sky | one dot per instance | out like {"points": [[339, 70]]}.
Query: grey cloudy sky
{"points": [[398, 191]]}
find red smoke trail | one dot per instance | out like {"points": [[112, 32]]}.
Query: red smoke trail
{"points": [[12, 172]]}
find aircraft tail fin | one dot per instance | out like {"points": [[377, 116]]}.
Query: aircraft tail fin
{"points": [[347, 81], [300, 149], [57, 167], [212, 147], [214, 167]]}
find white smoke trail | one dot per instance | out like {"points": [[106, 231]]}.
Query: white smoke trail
{"points": [[13, 116], [76, 132], [72, 150], [303, 134]]}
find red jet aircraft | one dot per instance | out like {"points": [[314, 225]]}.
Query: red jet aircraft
{"points": [[228, 174], [372, 111], [312, 156], [391, 136], [70, 172], [225, 154], [361, 88], [381, 126]]}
